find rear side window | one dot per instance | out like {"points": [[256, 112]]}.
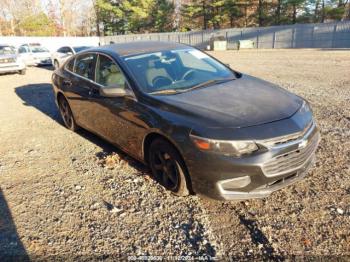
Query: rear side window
{"points": [[84, 65]]}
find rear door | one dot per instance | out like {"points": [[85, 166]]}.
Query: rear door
{"points": [[80, 86]]}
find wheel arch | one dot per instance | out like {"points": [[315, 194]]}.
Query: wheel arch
{"points": [[60, 95], [153, 135]]}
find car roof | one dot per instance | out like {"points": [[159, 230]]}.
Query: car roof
{"points": [[141, 47]]}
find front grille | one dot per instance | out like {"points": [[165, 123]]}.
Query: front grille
{"points": [[290, 161], [7, 60], [288, 138]]}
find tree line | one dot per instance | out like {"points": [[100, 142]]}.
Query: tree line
{"points": [[108, 17], [47, 18]]}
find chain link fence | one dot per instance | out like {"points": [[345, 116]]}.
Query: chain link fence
{"points": [[327, 35]]}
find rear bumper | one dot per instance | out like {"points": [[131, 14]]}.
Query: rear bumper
{"points": [[254, 176]]}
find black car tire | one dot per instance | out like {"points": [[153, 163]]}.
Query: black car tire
{"points": [[168, 168], [56, 65], [22, 72], [67, 115]]}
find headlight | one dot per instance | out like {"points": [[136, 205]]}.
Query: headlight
{"points": [[305, 108], [224, 147]]}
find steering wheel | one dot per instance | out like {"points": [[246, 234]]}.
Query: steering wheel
{"points": [[188, 74], [161, 81]]}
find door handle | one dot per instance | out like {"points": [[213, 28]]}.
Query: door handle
{"points": [[67, 83], [93, 92]]}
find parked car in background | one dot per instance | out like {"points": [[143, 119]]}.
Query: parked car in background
{"points": [[9, 60], [201, 126], [65, 52], [34, 54]]}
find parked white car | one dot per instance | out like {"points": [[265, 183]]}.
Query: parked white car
{"points": [[65, 52], [35, 54], [9, 60]]}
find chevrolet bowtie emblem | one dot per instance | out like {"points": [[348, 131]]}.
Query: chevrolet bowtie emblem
{"points": [[302, 144]]}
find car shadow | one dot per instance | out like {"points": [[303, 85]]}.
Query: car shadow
{"points": [[41, 97], [11, 247], [47, 67]]}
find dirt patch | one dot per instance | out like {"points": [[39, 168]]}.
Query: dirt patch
{"points": [[73, 195]]}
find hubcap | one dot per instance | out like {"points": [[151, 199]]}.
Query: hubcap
{"points": [[165, 169]]}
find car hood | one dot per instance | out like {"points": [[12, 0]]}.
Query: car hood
{"points": [[244, 102]]}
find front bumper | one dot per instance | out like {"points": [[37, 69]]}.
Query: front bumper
{"points": [[256, 175], [11, 67]]}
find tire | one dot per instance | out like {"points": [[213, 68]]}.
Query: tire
{"points": [[66, 114], [22, 72], [56, 65], [168, 168]]}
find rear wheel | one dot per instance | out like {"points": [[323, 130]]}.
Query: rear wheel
{"points": [[66, 114], [168, 167]]}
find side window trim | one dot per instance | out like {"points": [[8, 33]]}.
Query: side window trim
{"points": [[128, 86], [121, 71], [66, 66]]}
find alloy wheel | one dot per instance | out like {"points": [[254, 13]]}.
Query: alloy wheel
{"points": [[166, 169], [66, 113]]}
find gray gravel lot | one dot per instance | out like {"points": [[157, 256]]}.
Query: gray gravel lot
{"points": [[71, 195]]}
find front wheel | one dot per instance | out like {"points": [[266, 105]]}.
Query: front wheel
{"points": [[66, 114], [168, 168]]}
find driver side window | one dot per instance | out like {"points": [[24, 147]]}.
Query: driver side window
{"points": [[108, 73]]}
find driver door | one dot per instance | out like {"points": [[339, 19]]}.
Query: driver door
{"points": [[114, 118]]}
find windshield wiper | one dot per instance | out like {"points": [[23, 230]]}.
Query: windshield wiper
{"points": [[165, 92], [206, 83], [209, 83]]}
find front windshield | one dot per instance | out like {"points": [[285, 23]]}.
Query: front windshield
{"points": [[7, 50], [78, 49], [175, 70], [39, 49]]}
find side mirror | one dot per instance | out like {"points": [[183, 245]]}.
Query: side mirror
{"points": [[113, 91]]}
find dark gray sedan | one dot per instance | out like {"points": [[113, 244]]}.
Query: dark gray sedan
{"points": [[200, 126]]}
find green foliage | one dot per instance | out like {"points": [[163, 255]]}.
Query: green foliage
{"points": [[162, 18], [132, 16], [37, 25]]}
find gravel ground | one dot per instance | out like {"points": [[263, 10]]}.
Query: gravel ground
{"points": [[71, 195]]}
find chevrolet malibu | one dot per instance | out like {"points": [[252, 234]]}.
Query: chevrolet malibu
{"points": [[200, 126]]}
